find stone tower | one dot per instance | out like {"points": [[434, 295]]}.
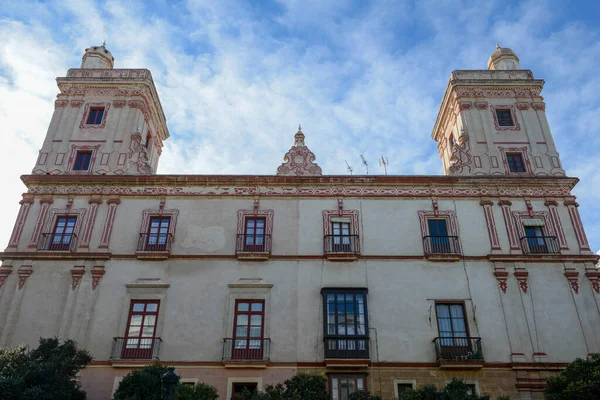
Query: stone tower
{"points": [[106, 121], [493, 122]]}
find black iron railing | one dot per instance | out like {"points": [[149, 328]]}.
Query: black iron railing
{"points": [[246, 349], [155, 242], [346, 346], [58, 241], [441, 245], [458, 349], [135, 348], [253, 243], [540, 245], [334, 244]]}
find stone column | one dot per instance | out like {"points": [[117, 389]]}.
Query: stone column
{"points": [[87, 231], [555, 218], [577, 225], [20, 223], [491, 224], [108, 223], [39, 225], [510, 224]]}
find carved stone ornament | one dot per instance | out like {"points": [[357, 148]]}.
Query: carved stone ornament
{"points": [[521, 274], [299, 161]]}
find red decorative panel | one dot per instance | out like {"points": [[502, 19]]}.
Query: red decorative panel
{"points": [[37, 231], [521, 215], [350, 214], [4, 273], [104, 158], [24, 272], [538, 161], [494, 161], [481, 105], [554, 216], [509, 223], [539, 106], [87, 232], [502, 276], [97, 274], [76, 275], [522, 275], [523, 106], [42, 158], [20, 222], [594, 276], [477, 161], [491, 224], [60, 157], [108, 223], [84, 125], [577, 224], [60, 103], [71, 162], [573, 277]]}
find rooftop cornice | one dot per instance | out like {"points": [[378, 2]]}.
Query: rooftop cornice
{"points": [[309, 186]]}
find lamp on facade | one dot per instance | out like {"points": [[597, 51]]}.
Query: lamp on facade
{"points": [[169, 381]]}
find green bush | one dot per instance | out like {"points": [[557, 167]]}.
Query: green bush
{"points": [[580, 380], [362, 395], [200, 391]]}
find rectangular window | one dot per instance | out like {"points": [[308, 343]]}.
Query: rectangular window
{"points": [[438, 240], [238, 388], [95, 116], [342, 386], [82, 161], [536, 241], [63, 233], [248, 327], [346, 323], [472, 391], [141, 328], [158, 234], [515, 162], [254, 234], [504, 117], [452, 326], [341, 237], [403, 387]]}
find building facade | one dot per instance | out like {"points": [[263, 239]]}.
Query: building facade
{"points": [[378, 282]]}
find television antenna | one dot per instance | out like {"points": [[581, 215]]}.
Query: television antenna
{"points": [[384, 162], [365, 162], [348, 167]]}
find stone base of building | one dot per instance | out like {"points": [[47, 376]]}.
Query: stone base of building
{"points": [[527, 381]]}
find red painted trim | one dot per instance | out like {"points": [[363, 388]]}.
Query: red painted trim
{"points": [[491, 224], [20, 222], [87, 231], [513, 114], [88, 107], [108, 223], [577, 225], [555, 218], [37, 231], [509, 223]]}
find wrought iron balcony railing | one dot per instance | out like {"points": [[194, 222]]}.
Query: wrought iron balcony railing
{"points": [[253, 244], [336, 244], [441, 245], [135, 348], [58, 242], [346, 346], [540, 245], [155, 242], [458, 349], [246, 349]]}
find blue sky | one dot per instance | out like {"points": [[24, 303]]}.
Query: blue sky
{"points": [[236, 77]]}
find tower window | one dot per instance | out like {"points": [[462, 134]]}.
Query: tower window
{"points": [[82, 161], [515, 162], [95, 116], [504, 117]]}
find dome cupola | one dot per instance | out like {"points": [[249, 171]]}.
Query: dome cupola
{"points": [[503, 58], [97, 57]]}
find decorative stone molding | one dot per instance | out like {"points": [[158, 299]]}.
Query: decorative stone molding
{"points": [[555, 218], [452, 226], [147, 214], [24, 272], [573, 277], [299, 160], [71, 162], [84, 125], [76, 103], [522, 276], [460, 158], [97, 274], [35, 237], [481, 105], [474, 91], [61, 103], [523, 151], [523, 106], [502, 276], [592, 274], [464, 105], [510, 225], [108, 223], [519, 216], [119, 103], [87, 232], [353, 217], [55, 212], [5, 271], [539, 106], [491, 224], [241, 225], [20, 222], [577, 224], [138, 156], [76, 275]]}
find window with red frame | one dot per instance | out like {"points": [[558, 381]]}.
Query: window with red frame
{"points": [[141, 328], [82, 161], [63, 233], [515, 162], [158, 234], [504, 117], [95, 116], [248, 330], [342, 386], [254, 234]]}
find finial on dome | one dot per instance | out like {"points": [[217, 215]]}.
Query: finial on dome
{"points": [[503, 58], [299, 128], [97, 57]]}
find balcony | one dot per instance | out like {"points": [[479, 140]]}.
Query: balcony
{"points": [[441, 248], [154, 246], [346, 347], [243, 352], [540, 245], [341, 247], [145, 348], [253, 247], [58, 242], [458, 352]]}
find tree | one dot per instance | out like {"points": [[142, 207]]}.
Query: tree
{"points": [[299, 387], [456, 389], [46, 373], [580, 380], [200, 391], [144, 384], [362, 395]]}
